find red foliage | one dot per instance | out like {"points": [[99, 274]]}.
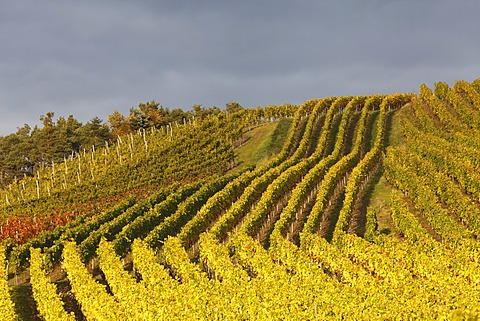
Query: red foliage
{"points": [[23, 228]]}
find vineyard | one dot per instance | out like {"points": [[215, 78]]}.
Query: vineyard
{"points": [[369, 210]]}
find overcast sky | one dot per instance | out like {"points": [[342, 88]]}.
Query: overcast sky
{"points": [[88, 58]]}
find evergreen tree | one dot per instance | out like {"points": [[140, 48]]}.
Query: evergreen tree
{"points": [[94, 133]]}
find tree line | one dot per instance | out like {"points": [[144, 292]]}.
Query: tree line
{"points": [[55, 139]]}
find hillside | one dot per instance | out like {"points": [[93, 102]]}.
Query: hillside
{"points": [[352, 207]]}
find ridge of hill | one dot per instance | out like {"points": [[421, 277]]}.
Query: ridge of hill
{"points": [[369, 210]]}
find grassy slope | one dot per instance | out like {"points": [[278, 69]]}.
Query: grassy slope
{"points": [[380, 194], [262, 143]]}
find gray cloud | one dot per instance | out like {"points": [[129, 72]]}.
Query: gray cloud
{"points": [[88, 58]]}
